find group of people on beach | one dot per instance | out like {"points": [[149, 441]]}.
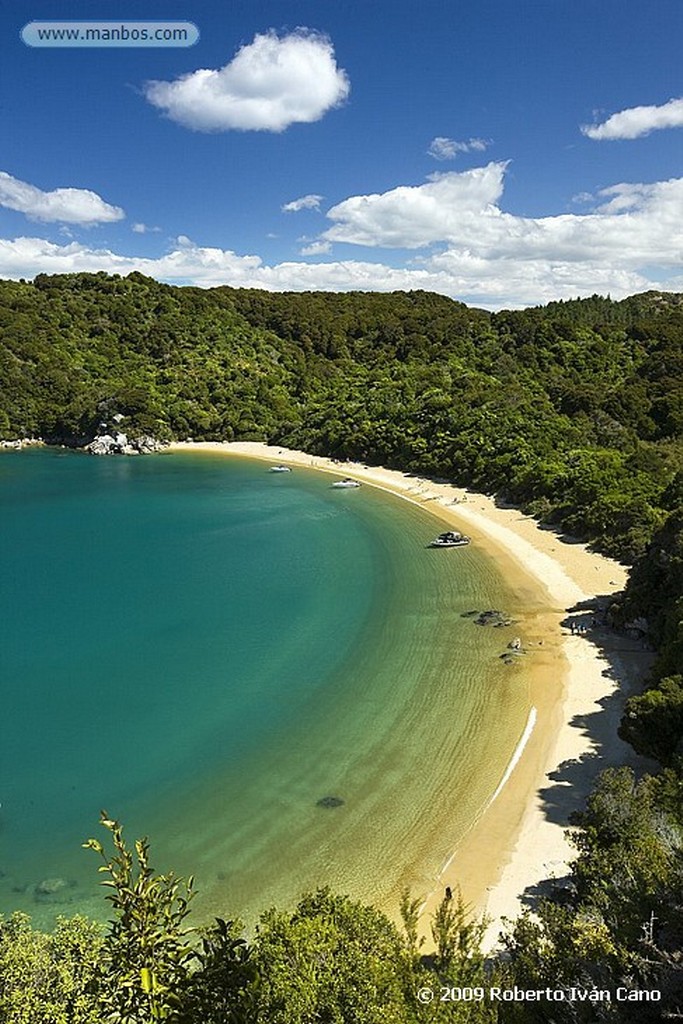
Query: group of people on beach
{"points": [[580, 628]]}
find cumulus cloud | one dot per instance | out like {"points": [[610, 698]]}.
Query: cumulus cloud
{"points": [[316, 249], [144, 229], [415, 215], [634, 223], [507, 283], [310, 202], [630, 240], [67, 205], [443, 148], [269, 84], [636, 121]]}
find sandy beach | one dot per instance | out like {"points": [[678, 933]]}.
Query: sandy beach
{"points": [[578, 684]]}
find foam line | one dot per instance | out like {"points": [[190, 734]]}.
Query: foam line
{"points": [[519, 750]]}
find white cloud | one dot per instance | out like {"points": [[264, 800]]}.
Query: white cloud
{"points": [[144, 229], [270, 84], [620, 198], [443, 148], [316, 249], [637, 223], [631, 240], [68, 205], [493, 284], [415, 215], [310, 202], [186, 263], [636, 121]]}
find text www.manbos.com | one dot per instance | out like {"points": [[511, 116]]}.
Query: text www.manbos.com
{"points": [[110, 33]]}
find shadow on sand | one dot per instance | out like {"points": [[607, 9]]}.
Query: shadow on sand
{"points": [[627, 659]]}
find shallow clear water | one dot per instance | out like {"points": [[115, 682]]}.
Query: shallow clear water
{"points": [[206, 649]]}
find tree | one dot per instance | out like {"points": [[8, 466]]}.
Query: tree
{"points": [[49, 978], [629, 847], [146, 955], [224, 987], [458, 940], [562, 948], [332, 960], [653, 723]]}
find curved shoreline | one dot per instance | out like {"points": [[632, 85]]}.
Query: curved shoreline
{"points": [[516, 843]]}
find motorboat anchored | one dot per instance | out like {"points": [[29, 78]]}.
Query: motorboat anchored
{"points": [[450, 539], [346, 482], [280, 469]]}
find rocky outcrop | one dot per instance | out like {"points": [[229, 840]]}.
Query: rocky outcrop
{"points": [[119, 444], [49, 886], [493, 618], [22, 442], [145, 444], [107, 444], [54, 890]]}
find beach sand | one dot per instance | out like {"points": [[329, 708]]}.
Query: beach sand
{"points": [[578, 684]]}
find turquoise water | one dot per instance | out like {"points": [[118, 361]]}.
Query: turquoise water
{"points": [[206, 649]]}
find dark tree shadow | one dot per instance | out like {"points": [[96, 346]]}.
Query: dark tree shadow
{"points": [[627, 660]]}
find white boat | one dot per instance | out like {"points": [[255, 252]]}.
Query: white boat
{"points": [[450, 539], [346, 482], [280, 469]]}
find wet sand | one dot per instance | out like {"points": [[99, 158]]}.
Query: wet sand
{"points": [[577, 687]]}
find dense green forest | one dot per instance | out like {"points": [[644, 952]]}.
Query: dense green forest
{"points": [[574, 412]]}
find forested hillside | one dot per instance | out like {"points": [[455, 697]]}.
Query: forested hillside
{"points": [[574, 411]]}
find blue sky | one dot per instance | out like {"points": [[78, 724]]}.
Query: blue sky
{"points": [[505, 153]]}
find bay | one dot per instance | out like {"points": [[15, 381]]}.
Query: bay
{"points": [[207, 651]]}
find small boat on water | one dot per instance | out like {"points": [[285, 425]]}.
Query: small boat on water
{"points": [[450, 539], [346, 482], [280, 469]]}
